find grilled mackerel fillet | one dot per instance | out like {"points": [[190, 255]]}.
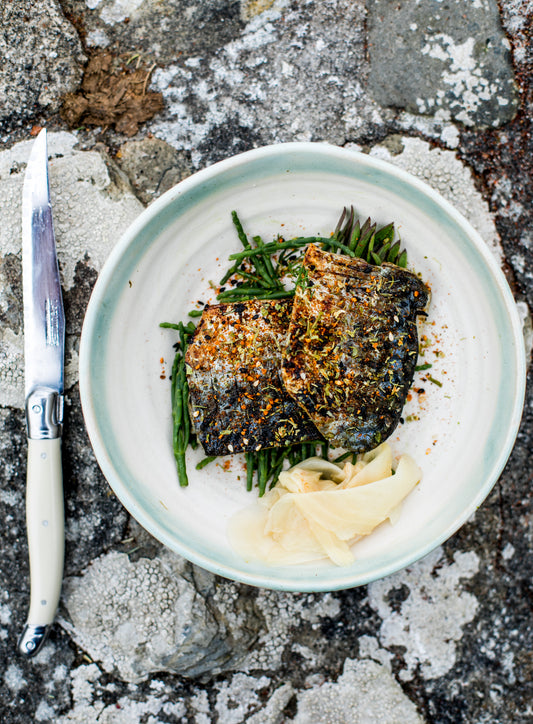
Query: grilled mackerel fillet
{"points": [[353, 346], [237, 401]]}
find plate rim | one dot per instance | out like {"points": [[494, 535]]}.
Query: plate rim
{"points": [[147, 216]]}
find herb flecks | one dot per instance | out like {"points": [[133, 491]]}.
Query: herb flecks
{"points": [[355, 360], [274, 271]]}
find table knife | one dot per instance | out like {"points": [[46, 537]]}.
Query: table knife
{"points": [[44, 344]]}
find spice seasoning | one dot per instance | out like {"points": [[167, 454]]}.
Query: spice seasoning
{"points": [[236, 398], [353, 346]]}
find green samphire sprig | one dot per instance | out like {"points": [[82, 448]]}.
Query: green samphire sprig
{"points": [[269, 271]]}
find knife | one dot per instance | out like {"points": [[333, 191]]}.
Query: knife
{"points": [[44, 345]]}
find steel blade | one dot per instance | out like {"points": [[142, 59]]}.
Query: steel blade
{"points": [[44, 320]]}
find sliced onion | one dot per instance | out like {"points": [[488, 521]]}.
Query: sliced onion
{"points": [[318, 509]]}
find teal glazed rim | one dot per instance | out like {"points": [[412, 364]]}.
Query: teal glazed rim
{"points": [[247, 168]]}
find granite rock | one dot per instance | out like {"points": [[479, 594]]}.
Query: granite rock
{"points": [[152, 166], [272, 83], [42, 59], [251, 8], [78, 180], [151, 618], [159, 30], [423, 611], [446, 641], [441, 169], [448, 58], [365, 693]]}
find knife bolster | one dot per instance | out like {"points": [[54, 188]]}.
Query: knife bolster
{"points": [[44, 414]]}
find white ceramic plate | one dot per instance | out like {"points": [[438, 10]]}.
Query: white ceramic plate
{"points": [[163, 264]]}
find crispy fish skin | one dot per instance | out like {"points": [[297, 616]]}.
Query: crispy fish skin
{"points": [[353, 346], [237, 401]]}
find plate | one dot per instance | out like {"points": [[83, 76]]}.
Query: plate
{"points": [[460, 428]]}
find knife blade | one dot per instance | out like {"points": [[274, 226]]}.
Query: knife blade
{"points": [[44, 344]]}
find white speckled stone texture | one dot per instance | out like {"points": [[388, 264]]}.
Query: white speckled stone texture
{"points": [[142, 636]]}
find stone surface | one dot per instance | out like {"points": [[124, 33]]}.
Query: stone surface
{"points": [[272, 84], [153, 166], [158, 29], [423, 612], [442, 58], [153, 619], [78, 181], [141, 635], [251, 8], [42, 59], [441, 170], [365, 693]]}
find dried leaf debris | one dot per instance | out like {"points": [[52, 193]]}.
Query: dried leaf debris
{"points": [[113, 92]]}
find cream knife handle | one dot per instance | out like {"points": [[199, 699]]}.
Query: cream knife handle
{"points": [[45, 527]]}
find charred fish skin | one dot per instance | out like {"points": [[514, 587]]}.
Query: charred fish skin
{"points": [[353, 346], [237, 401]]}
